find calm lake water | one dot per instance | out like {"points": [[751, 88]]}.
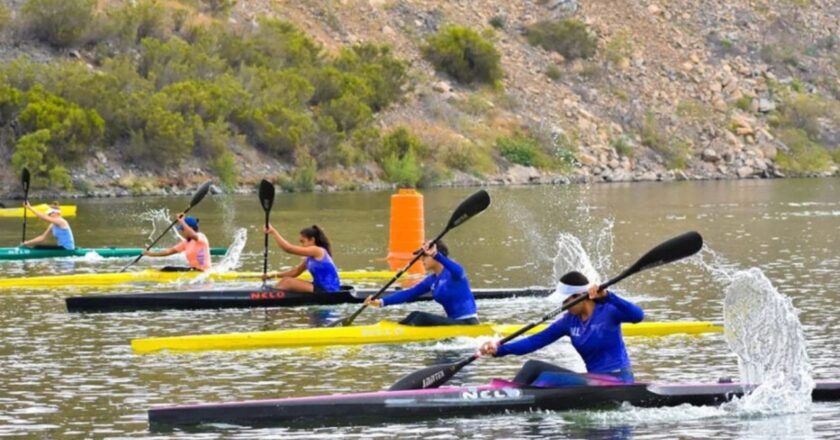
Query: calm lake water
{"points": [[74, 376]]}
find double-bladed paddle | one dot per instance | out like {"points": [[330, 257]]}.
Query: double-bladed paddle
{"points": [[672, 250], [267, 201], [468, 209], [197, 197], [24, 180]]}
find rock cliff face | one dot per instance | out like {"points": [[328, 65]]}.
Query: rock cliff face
{"points": [[677, 89], [703, 77]]}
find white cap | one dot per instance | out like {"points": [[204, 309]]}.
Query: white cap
{"points": [[52, 210]]}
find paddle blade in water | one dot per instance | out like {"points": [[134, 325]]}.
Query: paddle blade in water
{"points": [[431, 377], [202, 191], [266, 195], [475, 204], [24, 180], [677, 248]]}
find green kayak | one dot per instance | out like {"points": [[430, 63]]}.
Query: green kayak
{"points": [[24, 253]]}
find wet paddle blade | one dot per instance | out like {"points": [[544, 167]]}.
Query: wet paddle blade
{"points": [[202, 191], [431, 377], [677, 248], [266, 195], [24, 181], [473, 205]]}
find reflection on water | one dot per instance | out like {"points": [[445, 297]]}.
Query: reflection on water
{"points": [[75, 376]]}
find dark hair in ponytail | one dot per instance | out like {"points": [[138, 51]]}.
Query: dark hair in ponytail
{"points": [[315, 232]]}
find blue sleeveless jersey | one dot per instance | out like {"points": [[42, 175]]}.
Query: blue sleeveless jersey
{"points": [[324, 273], [64, 237]]}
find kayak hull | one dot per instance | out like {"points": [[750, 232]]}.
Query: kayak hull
{"points": [[24, 253], [248, 298], [384, 332], [66, 211], [496, 397], [155, 276]]}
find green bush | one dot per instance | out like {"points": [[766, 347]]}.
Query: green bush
{"points": [[744, 103], [10, 103], [134, 21], [464, 54], [30, 150], [306, 171], [803, 155], [404, 171], [348, 112], [73, 130], [225, 168], [498, 22], [218, 7], [521, 150], [554, 73], [60, 23], [619, 48], [568, 37], [399, 142], [653, 135], [167, 138], [803, 111], [383, 75], [276, 129], [675, 153]]}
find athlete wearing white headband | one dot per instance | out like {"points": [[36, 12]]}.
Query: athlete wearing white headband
{"points": [[58, 226], [593, 325]]}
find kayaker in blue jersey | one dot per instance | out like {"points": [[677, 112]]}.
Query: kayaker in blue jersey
{"points": [[594, 327], [58, 226], [449, 286], [316, 247]]}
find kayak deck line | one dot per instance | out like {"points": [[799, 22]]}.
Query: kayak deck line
{"points": [[66, 211], [148, 275], [257, 296], [383, 332], [26, 253], [499, 396]]}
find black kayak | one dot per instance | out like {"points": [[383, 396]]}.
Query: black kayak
{"points": [[255, 297], [497, 397]]}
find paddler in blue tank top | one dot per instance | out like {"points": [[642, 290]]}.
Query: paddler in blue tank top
{"points": [[315, 246], [58, 226], [449, 286], [594, 327]]}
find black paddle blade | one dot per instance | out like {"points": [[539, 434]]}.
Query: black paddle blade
{"points": [[468, 208], [430, 377], [202, 191], [677, 248], [24, 180], [266, 195]]}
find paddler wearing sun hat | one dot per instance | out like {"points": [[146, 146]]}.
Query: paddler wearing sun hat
{"points": [[194, 245], [57, 225], [593, 325]]}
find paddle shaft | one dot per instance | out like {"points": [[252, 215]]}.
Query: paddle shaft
{"points": [[265, 250], [25, 182], [349, 320], [171, 225]]}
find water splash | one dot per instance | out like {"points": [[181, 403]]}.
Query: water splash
{"points": [[159, 220], [761, 326], [763, 329], [231, 259], [572, 255]]}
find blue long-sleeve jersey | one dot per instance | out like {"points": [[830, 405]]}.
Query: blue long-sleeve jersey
{"points": [[598, 340], [451, 289]]}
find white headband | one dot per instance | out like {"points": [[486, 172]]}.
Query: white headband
{"points": [[53, 211], [569, 290]]}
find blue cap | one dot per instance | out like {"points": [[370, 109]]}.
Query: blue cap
{"points": [[192, 222]]}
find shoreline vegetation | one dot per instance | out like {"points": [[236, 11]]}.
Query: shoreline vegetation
{"points": [[151, 97]]}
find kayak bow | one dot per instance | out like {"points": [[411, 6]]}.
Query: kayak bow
{"points": [[383, 332], [25, 253], [255, 297], [66, 211], [496, 397]]}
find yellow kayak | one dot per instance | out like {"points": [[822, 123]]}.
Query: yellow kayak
{"points": [[104, 279], [383, 332], [66, 211]]}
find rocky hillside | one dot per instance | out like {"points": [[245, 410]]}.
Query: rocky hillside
{"points": [[675, 89]]}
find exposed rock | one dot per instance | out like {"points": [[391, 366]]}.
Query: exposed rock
{"points": [[766, 105], [587, 159], [744, 172], [520, 175], [710, 155]]}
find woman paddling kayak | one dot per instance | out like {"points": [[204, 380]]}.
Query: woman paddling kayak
{"points": [[594, 327], [194, 245], [316, 247], [58, 226], [449, 286]]}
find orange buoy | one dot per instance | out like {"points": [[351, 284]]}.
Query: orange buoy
{"points": [[406, 229]]}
